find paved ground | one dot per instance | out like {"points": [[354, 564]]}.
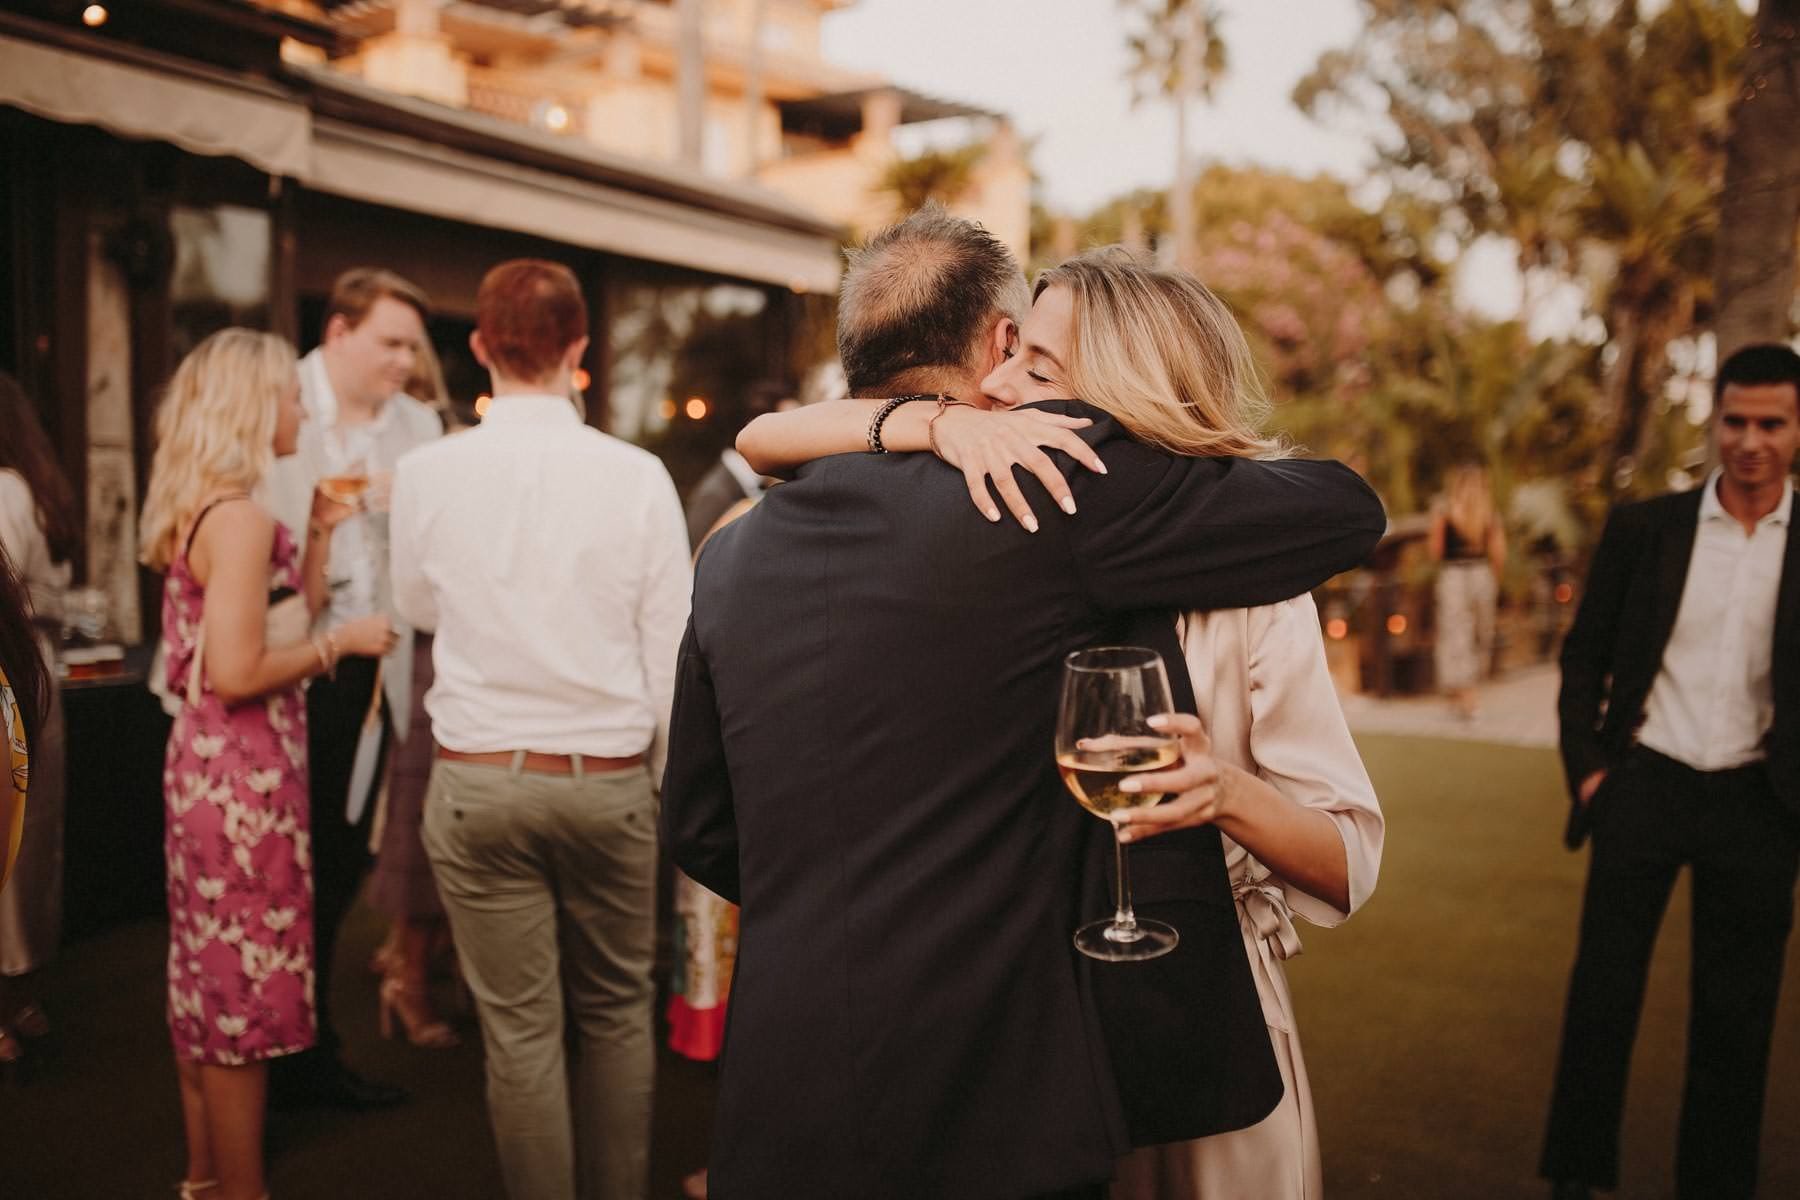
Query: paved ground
{"points": [[1518, 709]]}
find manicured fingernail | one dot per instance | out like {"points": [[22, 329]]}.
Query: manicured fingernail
{"points": [[992, 514], [1158, 721], [1068, 505], [1124, 834], [1031, 524], [1130, 785]]}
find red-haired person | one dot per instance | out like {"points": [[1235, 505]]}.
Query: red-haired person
{"points": [[552, 562], [359, 422]]}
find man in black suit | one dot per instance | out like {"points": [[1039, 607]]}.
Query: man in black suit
{"points": [[1680, 712], [860, 755]]}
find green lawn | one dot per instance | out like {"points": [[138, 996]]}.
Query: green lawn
{"points": [[1430, 1024], [1431, 1020]]}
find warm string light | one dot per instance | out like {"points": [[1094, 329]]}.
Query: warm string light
{"points": [[94, 16], [695, 408], [1337, 629], [1396, 624], [482, 403]]}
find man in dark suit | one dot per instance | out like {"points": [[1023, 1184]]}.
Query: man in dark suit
{"points": [[860, 755], [1680, 713]]}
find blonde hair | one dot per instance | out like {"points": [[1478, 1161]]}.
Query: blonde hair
{"points": [[215, 431], [1164, 356], [1469, 502]]}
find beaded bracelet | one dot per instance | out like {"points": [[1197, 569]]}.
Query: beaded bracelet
{"points": [[884, 412]]}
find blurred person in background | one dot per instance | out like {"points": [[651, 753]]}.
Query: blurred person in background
{"points": [[1680, 734], [359, 422], [24, 704], [1469, 544], [402, 886], [732, 480], [555, 661], [236, 606], [39, 532]]}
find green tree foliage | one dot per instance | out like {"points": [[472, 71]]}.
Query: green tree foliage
{"points": [[943, 175], [1590, 134]]}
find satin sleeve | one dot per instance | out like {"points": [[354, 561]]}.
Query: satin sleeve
{"points": [[1301, 745]]}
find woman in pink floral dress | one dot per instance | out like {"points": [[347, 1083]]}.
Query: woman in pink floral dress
{"points": [[234, 786]]}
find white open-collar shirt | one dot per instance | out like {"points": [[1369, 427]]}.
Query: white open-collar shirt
{"points": [[1713, 700], [552, 562]]}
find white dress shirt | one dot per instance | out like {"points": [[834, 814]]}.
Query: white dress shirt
{"points": [[357, 569], [552, 561], [1712, 702]]}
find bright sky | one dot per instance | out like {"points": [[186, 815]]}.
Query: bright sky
{"points": [[1058, 68]]}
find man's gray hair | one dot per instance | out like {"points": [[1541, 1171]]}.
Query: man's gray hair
{"points": [[920, 295]]}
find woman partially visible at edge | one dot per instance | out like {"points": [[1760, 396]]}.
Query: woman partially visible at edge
{"points": [[1270, 760], [40, 529], [24, 703], [234, 783]]}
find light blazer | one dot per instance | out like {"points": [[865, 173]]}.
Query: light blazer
{"points": [[1614, 650]]}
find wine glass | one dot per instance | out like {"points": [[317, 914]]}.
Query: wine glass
{"points": [[348, 485], [1103, 734]]}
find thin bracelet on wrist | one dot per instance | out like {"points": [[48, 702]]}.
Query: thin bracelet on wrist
{"points": [[318, 645], [944, 403]]}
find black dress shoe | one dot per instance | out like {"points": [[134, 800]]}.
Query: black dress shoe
{"points": [[331, 1085], [1570, 1189]]}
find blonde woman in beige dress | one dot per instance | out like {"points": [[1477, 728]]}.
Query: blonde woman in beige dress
{"points": [[1269, 760]]}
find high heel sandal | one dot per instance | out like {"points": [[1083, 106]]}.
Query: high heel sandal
{"points": [[190, 1189], [411, 1004]]}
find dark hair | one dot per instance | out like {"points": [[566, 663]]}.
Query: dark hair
{"points": [[19, 657], [355, 292], [919, 295], [528, 313], [1762, 363], [24, 448]]}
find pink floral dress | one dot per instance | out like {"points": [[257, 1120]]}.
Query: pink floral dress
{"points": [[239, 860]]}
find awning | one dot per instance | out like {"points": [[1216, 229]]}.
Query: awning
{"points": [[417, 176], [188, 110]]}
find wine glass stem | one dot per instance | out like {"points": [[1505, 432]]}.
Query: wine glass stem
{"points": [[1123, 917]]}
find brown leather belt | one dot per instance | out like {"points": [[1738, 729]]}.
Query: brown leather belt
{"points": [[543, 764]]}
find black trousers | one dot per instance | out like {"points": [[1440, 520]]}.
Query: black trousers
{"points": [[335, 707], [1652, 816]]}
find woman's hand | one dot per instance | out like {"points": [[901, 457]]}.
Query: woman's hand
{"points": [[987, 445], [327, 513], [372, 636], [1196, 786]]}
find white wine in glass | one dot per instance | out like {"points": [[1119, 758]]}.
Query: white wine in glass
{"points": [[1103, 734]]}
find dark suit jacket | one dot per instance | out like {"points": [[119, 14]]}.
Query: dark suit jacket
{"points": [[861, 755], [1614, 650]]}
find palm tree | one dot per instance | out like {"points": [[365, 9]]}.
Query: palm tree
{"points": [[1759, 208], [1177, 53]]}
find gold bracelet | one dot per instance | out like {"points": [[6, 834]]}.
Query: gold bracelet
{"points": [[318, 646], [336, 652], [944, 403]]}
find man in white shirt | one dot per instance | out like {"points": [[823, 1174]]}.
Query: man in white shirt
{"points": [[359, 422], [1680, 711], [552, 562]]}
